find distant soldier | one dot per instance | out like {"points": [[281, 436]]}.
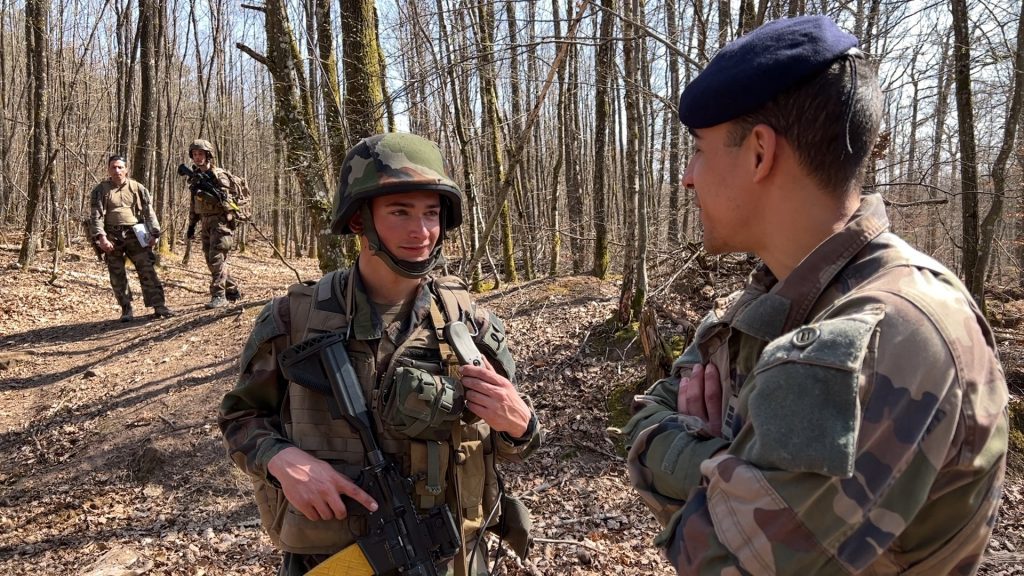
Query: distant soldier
{"points": [[118, 205], [218, 218], [846, 412]]}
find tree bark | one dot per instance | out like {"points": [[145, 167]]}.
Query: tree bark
{"points": [[37, 16], [973, 266], [292, 121], [142, 158], [993, 217], [492, 131], [364, 97], [604, 68]]}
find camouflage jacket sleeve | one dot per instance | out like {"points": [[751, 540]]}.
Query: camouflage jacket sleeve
{"points": [[97, 211], [874, 430], [193, 216], [148, 215], [250, 414], [659, 402]]}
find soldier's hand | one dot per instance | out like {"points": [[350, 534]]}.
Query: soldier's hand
{"points": [[313, 487], [494, 399], [191, 232], [105, 244], [700, 395]]}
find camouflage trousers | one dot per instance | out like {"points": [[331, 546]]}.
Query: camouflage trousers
{"points": [[218, 239], [299, 564], [126, 245]]}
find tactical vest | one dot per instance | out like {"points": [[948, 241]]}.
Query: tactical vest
{"points": [[455, 467], [204, 205]]}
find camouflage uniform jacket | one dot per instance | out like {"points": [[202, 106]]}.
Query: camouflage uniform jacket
{"points": [[265, 414], [142, 207], [864, 421]]}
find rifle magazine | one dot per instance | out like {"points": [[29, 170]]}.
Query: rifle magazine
{"points": [[349, 562]]}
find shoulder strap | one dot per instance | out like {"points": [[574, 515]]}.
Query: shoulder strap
{"points": [[320, 307], [455, 299], [455, 305]]}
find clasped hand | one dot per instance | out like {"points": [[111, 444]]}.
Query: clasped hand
{"points": [[700, 395]]}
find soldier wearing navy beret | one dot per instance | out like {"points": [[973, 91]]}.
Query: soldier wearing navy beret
{"points": [[845, 413]]}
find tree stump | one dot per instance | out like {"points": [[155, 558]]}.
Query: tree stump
{"points": [[657, 352]]}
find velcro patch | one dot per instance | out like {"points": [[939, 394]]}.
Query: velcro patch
{"points": [[805, 405]]}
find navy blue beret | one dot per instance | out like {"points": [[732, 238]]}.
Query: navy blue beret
{"points": [[753, 69]]}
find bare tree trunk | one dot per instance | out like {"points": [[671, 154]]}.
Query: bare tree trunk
{"points": [[630, 47], [492, 131], [364, 98], [974, 267], [995, 212], [943, 81], [747, 17], [292, 120], [604, 68], [525, 237], [37, 15], [674, 127], [572, 143], [724, 23], [336, 140], [126, 49], [6, 122], [141, 162]]}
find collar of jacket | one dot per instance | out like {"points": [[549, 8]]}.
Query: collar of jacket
{"points": [[366, 322], [769, 308]]}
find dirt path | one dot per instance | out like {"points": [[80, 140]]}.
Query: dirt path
{"points": [[111, 462]]}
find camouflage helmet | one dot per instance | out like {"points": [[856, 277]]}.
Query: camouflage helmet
{"points": [[389, 164], [200, 144]]}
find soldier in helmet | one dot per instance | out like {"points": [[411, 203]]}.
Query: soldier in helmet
{"points": [[118, 205], [218, 221], [846, 412], [394, 194]]}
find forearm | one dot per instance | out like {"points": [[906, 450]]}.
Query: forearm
{"points": [[518, 449], [96, 216], [149, 215], [249, 416], [252, 440]]}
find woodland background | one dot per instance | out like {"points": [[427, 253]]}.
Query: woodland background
{"points": [[558, 119], [559, 122]]}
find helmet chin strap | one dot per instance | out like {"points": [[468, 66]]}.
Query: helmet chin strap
{"points": [[403, 268]]}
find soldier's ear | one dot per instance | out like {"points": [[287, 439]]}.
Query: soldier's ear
{"points": [[355, 224]]}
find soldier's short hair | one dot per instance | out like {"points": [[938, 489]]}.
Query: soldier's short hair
{"points": [[831, 120], [115, 157]]}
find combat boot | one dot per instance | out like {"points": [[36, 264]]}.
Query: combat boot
{"points": [[233, 294], [162, 311], [126, 313], [217, 302]]}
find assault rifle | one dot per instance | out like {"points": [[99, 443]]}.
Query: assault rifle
{"points": [[398, 540], [202, 183]]}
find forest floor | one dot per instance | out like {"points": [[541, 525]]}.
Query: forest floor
{"points": [[111, 462]]}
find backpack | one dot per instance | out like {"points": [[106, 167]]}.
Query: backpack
{"points": [[239, 196]]}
